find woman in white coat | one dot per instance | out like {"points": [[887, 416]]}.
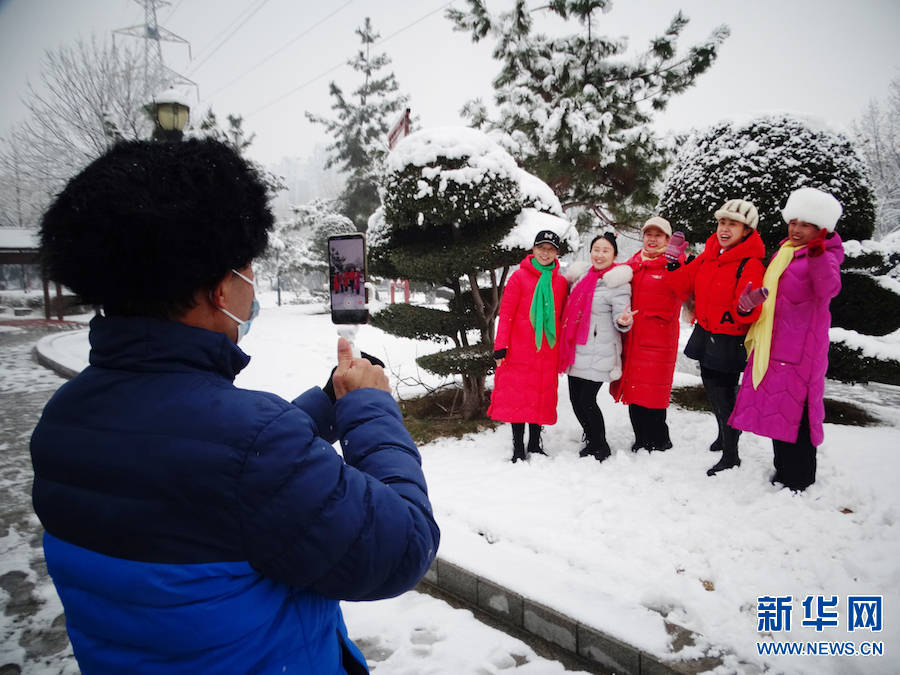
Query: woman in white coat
{"points": [[596, 314]]}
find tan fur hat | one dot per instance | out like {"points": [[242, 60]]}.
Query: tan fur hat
{"points": [[660, 222], [740, 210]]}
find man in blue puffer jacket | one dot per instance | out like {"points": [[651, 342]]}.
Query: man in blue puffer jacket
{"points": [[191, 526]]}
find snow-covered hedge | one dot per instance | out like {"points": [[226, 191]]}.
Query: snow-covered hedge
{"points": [[854, 357], [422, 323], [764, 160], [474, 360]]}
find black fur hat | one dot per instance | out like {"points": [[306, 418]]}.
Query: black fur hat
{"points": [[144, 227]]}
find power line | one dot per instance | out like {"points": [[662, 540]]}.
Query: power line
{"points": [[174, 9], [279, 50], [344, 63], [206, 58]]}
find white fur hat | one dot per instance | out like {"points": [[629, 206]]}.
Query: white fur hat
{"points": [[812, 206], [740, 210], [660, 222]]}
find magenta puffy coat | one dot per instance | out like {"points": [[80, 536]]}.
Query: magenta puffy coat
{"points": [[799, 355], [526, 382]]}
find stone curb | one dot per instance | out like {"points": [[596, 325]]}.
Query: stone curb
{"points": [[47, 362], [590, 648]]}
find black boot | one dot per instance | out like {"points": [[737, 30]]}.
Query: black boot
{"points": [[716, 445], [730, 456], [727, 462], [637, 425], [535, 446], [601, 451], [518, 431]]}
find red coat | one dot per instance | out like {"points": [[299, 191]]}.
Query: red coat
{"points": [[712, 279], [651, 346], [526, 381]]}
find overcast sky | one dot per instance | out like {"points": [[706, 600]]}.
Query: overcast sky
{"points": [[821, 58]]}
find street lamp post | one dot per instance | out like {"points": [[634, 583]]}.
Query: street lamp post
{"points": [[170, 116]]}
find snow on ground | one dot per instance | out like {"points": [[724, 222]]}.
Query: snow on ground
{"points": [[622, 544]]}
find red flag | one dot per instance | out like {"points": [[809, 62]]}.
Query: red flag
{"points": [[399, 130]]}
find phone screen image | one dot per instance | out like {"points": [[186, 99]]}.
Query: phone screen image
{"points": [[347, 278]]}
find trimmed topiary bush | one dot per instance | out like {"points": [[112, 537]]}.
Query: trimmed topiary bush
{"points": [[763, 161]]}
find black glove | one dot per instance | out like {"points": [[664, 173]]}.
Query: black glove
{"points": [[329, 386], [499, 354], [672, 266], [690, 258]]}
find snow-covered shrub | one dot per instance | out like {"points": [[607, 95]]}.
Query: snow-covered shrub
{"points": [[763, 161], [855, 357], [865, 339]]}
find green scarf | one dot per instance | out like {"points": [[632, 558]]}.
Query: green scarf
{"points": [[543, 313]]}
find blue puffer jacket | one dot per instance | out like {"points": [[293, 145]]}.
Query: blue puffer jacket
{"points": [[195, 527]]}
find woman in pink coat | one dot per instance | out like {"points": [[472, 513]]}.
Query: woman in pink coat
{"points": [[782, 393], [525, 349]]}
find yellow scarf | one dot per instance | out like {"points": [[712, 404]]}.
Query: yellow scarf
{"points": [[759, 337]]}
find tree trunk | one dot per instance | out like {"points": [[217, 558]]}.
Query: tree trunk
{"points": [[474, 396]]}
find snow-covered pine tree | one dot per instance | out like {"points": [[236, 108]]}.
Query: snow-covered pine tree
{"points": [[576, 111], [236, 137], [360, 127], [297, 256], [763, 160], [458, 212]]}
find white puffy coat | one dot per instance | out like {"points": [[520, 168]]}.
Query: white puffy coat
{"points": [[600, 359]]}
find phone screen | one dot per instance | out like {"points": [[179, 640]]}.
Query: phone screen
{"points": [[347, 278]]}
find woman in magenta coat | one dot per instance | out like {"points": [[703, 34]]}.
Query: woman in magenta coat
{"points": [[525, 349], [782, 393], [651, 347]]}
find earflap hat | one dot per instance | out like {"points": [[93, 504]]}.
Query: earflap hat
{"points": [[740, 210]]}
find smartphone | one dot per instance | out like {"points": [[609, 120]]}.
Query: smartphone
{"points": [[347, 276]]}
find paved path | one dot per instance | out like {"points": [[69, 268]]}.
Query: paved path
{"points": [[32, 625]]}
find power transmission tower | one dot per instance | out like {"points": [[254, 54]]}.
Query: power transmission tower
{"points": [[151, 32]]}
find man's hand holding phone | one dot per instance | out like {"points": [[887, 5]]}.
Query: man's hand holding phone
{"points": [[356, 373]]}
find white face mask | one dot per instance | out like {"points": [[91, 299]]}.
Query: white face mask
{"points": [[243, 326]]}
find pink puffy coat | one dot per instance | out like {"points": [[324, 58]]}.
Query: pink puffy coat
{"points": [[799, 354], [526, 381]]}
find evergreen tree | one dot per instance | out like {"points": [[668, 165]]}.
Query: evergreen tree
{"points": [[457, 212], [236, 137], [361, 126], [763, 161], [576, 112]]}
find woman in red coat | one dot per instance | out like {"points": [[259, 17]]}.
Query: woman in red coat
{"points": [[721, 279], [651, 347], [525, 349]]}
